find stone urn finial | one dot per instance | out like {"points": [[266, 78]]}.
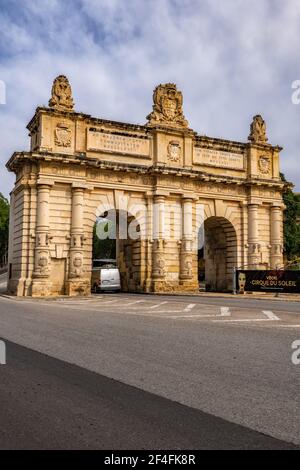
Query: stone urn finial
{"points": [[258, 130], [61, 94]]}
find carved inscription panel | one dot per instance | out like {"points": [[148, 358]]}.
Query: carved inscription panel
{"points": [[218, 158], [104, 141]]}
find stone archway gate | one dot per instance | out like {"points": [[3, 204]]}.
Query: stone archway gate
{"points": [[77, 165]]}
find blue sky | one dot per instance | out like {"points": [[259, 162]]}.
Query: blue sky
{"points": [[232, 59]]}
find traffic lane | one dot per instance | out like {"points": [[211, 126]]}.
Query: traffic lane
{"points": [[170, 308], [49, 404], [234, 301], [242, 374], [278, 305]]}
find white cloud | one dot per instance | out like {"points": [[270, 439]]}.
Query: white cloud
{"points": [[231, 59]]}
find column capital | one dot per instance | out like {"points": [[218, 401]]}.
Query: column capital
{"points": [[277, 205], [44, 182], [188, 197], [161, 192], [76, 185], [159, 198], [253, 203]]}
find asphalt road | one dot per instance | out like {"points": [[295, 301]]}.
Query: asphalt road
{"points": [[49, 404], [149, 371]]}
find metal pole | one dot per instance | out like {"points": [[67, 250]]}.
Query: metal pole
{"points": [[234, 280]]}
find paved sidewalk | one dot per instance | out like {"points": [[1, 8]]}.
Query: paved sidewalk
{"points": [[217, 295], [229, 295]]}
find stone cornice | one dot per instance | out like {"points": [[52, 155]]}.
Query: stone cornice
{"points": [[200, 140], [231, 145], [19, 158], [204, 141], [87, 117]]}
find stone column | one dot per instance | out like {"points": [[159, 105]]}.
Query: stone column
{"points": [[186, 248], [276, 260], [149, 241], [158, 261], [77, 285], [253, 237], [41, 282]]}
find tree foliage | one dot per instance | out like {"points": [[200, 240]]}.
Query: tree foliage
{"points": [[4, 223], [291, 220], [103, 249]]}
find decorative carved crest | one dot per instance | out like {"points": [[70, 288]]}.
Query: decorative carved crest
{"points": [[167, 106], [174, 151], [264, 165], [258, 130], [62, 135], [61, 94]]}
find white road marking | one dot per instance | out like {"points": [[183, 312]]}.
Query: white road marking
{"points": [[132, 303], [242, 320], [108, 302], [166, 311], [158, 305], [189, 307], [225, 312], [287, 326], [270, 315], [188, 316]]}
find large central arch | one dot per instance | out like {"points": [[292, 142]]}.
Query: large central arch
{"points": [[123, 239]]}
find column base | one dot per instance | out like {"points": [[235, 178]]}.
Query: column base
{"points": [[163, 286], [188, 285], [41, 288], [276, 262], [78, 287], [16, 286]]}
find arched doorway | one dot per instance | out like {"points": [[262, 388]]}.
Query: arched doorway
{"points": [[116, 239], [218, 256]]}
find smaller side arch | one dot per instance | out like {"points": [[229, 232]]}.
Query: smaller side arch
{"points": [[220, 253]]}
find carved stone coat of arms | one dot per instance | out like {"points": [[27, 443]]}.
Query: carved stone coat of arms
{"points": [[167, 106]]}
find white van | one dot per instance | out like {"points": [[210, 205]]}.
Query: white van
{"points": [[105, 276]]}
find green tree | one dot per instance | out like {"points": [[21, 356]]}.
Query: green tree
{"points": [[103, 249], [291, 227], [4, 223]]}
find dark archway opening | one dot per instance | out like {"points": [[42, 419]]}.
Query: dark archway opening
{"points": [[116, 241], [218, 257]]}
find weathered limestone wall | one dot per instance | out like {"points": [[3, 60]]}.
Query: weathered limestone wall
{"points": [[79, 167]]}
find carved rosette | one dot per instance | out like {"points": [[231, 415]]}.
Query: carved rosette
{"points": [[167, 106], [61, 94], [258, 130]]}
